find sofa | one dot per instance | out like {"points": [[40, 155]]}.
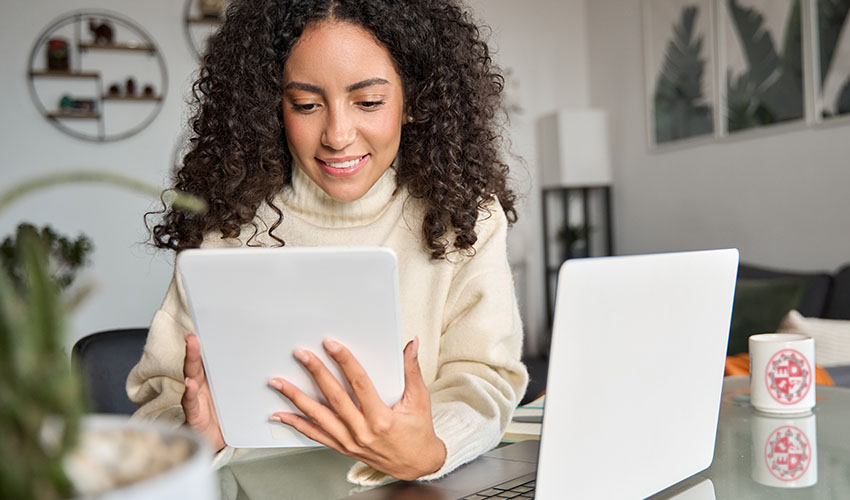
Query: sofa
{"points": [[765, 298]]}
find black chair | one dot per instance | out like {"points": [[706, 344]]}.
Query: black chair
{"points": [[105, 359]]}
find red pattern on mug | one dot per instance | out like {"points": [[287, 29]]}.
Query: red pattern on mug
{"points": [[788, 453], [788, 376]]}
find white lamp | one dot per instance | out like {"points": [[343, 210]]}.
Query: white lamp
{"points": [[573, 148]]}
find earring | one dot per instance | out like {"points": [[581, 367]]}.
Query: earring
{"points": [[410, 119]]}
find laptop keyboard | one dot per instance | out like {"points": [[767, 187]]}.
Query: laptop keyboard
{"points": [[521, 487]]}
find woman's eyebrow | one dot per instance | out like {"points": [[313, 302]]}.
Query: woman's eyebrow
{"points": [[309, 87], [366, 83], [306, 87]]}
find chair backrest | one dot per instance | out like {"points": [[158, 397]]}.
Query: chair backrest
{"points": [[105, 359]]}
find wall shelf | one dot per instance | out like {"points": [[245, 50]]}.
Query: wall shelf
{"points": [[62, 115], [136, 98], [65, 74], [118, 47], [129, 41]]}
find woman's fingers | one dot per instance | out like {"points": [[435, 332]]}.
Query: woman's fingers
{"points": [[415, 390], [309, 429], [319, 414], [370, 402], [191, 407], [193, 367]]}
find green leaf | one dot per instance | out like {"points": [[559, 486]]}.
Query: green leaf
{"points": [[842, 103], [832, 14], [773, 83], [680, 109]]}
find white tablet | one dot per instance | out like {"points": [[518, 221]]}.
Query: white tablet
{"points": [[253, 306]]}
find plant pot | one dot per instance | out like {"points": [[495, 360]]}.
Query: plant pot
{"points": [[177, 461]]}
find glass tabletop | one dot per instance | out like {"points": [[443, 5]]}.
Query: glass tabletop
{"points": [[756, 456], [759, 456]]}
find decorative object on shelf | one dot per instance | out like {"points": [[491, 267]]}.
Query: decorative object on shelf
{"points": [[58, 58], [575, 172], [680, 58], [101, 32], [573, 240], [212, 8], [833, 28], [66, 103], [130, 87], [78, 106], [201, 18], [114, 115], [573, 148], [148, 91]]}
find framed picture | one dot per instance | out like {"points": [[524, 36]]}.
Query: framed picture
{"points": [[680, 68], [763, 62], [833, 58]]}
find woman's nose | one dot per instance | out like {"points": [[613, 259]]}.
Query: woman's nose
{"points": [[340, 130]]}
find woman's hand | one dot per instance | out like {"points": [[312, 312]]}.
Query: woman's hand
{"points": [[197, 400], [399, 441]]}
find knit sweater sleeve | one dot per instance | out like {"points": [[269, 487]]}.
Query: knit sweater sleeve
{"points": [[156, 382], [480, 378]]}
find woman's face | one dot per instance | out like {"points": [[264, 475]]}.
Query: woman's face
{"points": [[342, 108]]}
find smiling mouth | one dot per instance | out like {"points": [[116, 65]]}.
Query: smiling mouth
{"points": [[343, 168], [343, 164]]}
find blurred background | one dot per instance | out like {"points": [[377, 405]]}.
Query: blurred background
{"points": [[777, 188]]}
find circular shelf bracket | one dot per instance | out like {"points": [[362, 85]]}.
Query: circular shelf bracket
{"points": [[111, 43], [197, 26]]}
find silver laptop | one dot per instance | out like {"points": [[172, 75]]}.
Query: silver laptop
{"points": [[633, 392]]}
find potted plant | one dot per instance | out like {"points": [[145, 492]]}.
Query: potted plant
{"points": [[50, 448], [573, 240]]}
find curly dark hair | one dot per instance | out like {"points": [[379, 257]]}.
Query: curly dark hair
{"points": [[449, 156]]}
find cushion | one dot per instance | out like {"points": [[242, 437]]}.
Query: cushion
{"points": [[759, 307], [839, 301], [817, 286], [832, 337]]}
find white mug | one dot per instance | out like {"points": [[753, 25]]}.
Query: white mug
{"points": [[784, 450], [782, 373]]}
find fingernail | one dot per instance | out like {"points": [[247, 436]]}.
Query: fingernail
{"points": [[416, 345], [301, 355], [275, 418], [332, 346], [276, 383]]}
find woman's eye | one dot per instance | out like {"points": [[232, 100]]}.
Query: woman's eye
{"points": [[304, 107], [370, 104]]}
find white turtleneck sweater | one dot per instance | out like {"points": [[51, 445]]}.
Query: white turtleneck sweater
{"points": [[462, 308]]}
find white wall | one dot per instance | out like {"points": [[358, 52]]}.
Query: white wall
{"points": [[545, 46], [781, 197]]}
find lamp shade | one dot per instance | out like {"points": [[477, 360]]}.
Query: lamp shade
{"points": [[573, 148]]}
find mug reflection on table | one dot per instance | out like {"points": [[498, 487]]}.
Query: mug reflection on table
{"points": [[784, 450]]}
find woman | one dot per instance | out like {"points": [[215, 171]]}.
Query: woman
{"points": [[357, 122]]}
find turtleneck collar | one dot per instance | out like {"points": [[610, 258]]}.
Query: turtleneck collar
{"points": [[307, 201]]}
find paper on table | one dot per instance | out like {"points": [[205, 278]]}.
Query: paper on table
{"points": [[523, 431]]}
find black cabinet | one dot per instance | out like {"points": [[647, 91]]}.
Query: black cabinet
{"points": [[576, 223]]}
